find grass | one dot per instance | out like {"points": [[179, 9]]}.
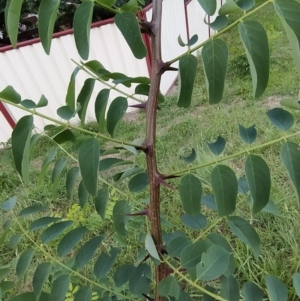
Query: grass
{"points": [[180, 130]]}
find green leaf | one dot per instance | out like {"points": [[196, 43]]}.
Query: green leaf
{"points": [[290, 156], [127, 173], [271, 208], [277, 290], [259, 181], [87, 251], [296, 282], [139, 182], [12, 19], [225, 186], [83, 294], [230, 289], [47, 15], [24, 297], [46, 163], [70, 240], [130, 29], [115, 113], [177, 245], [9, 93], [131, 5], [4, 273], [190, 194], [71, 181], [290, 102], [190, 158], [230, 6], [287, 12], [123, 274], [100, 107], [193, 40], [83, 195], [191, 255], [186, 79], [252, 292], [194, 221], [14, 240], [85, 94], [54, 231], [120, 218], [218, 146], [32, 209], [219, 23], [10, 204], [70, 97], [108, 163], [215, 59], [57, 170], [249, 134], [24, 262], [82, 25], [209, 6], [139, 283], [281, 119], [101, 201], [219, 240], [209, 201], [65, 112], [255, 42], [150, 247], [41, 275], [28, 104], [20, 142], [88, 158], [243, 185], [180, 42], [43, 102], [213, 263], [245, 4], [246, 233], [43, 222], [169, 287], [104, 263], [60, 288]]}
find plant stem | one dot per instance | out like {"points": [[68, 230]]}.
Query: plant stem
{"points": [[151, 110], [113, 87], [221, 31], [70, 126], [182, 171]]}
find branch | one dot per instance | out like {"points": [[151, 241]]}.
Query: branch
{"points": [[113, 87], [70, 126], [247, 150]]}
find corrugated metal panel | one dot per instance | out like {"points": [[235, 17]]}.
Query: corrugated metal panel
{"points": [[5, 129]]}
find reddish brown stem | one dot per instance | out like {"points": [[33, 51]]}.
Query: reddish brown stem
{"points": [[151, 110]]}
